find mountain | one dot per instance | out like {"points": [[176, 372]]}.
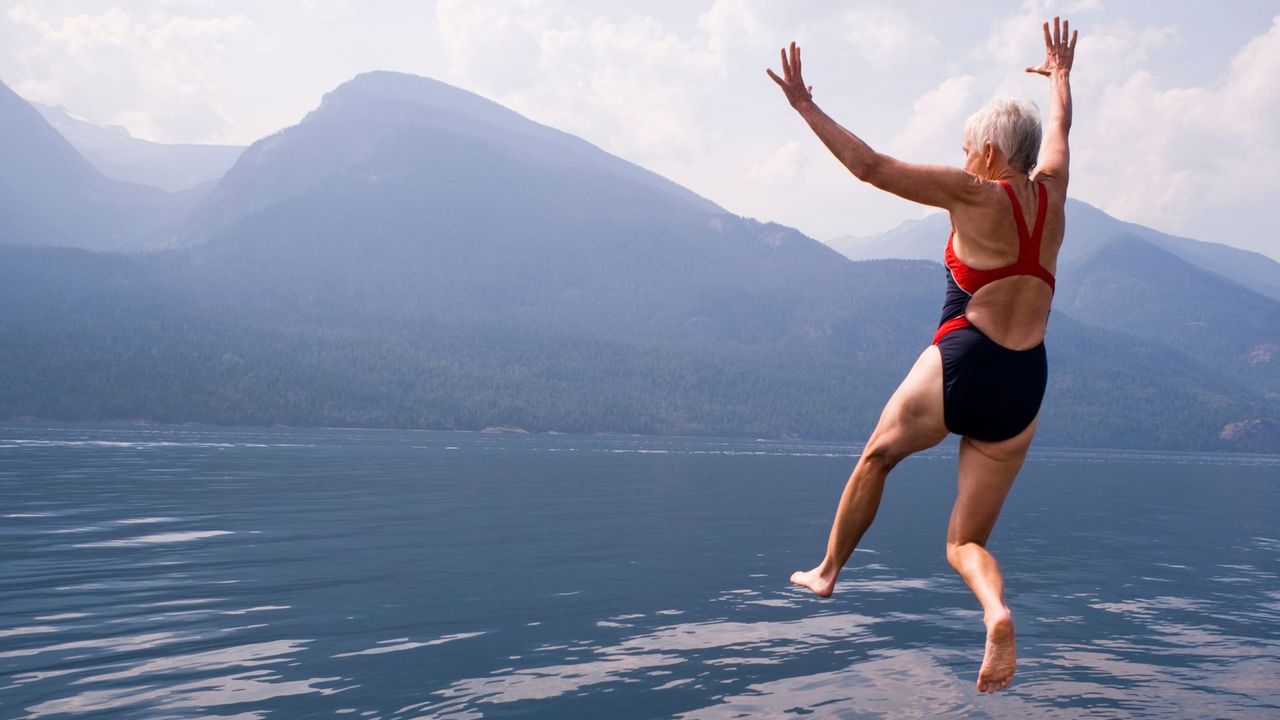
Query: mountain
{"points": [[119, 155], [1130, 285], [100, 336], [406, 198], [49, 194], [370, 116], [411, 255], [1088, 230]]}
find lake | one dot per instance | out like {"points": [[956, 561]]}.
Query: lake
{"points": [[176, 572]]}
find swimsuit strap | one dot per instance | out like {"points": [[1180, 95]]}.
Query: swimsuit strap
{"points": [[1038, 234], [1028, 242], [1028, 261]]}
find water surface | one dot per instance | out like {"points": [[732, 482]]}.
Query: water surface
{"points": [[249, 573]]}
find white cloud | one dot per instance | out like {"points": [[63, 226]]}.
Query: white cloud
{"points": [[152, 75], [1165, 156], [1012, 41], [1117, 50], [784, 165], [886, 37], [731, 24], [680, 88], [329, 9], [494, 45], [932, 134], [624, 83]]}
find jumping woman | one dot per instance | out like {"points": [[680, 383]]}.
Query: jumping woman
{"points": [[984, 374]]}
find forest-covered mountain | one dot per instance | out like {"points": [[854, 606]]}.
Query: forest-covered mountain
{"points": [[411, 255]]}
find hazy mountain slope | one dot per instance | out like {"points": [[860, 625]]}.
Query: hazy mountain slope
{"points": [[119, 155], [1132, 286], [438, 225], [410, 262], [1088, 230], [102, 336], [356, 119], [49, 194]]}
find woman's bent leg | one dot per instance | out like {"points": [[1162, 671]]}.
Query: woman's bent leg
{"points": [[912, 420], [987, 471]]}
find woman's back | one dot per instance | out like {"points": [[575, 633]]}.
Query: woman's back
{"points": [[1012, 310]]}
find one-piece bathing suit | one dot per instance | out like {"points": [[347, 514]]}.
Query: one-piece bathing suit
{"points": [[990, 392]]}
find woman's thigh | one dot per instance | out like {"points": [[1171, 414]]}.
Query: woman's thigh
{"points": [[986, 474], [912, 420]]}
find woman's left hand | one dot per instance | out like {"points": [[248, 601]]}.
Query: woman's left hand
{"points": [[791, 82]]}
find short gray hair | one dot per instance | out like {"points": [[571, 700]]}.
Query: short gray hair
{"points": [[1010, 124]]}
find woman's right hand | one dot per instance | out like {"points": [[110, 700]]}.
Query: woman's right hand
{"points": [[1058, 53]]}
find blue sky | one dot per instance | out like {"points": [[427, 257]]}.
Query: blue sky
{"points": [[1176, 102]]}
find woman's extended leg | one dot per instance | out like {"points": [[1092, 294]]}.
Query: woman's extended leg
{"points": [[986, 474], [911, 421]]}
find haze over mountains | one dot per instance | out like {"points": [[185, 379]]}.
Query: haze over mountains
{"points": [[118, 154], [50, 195], [413, 255], [1090, 231]]}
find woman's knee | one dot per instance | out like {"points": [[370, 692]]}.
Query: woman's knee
{"points": [[883, 453], [959, 551]]}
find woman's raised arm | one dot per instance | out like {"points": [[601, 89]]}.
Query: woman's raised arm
{"points": [[935, 185], [1058, 57]]}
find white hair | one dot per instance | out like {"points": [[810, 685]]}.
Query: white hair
{"points": [[1010, 124]]}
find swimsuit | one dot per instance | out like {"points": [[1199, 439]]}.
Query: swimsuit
{"points": [[989, 391]]}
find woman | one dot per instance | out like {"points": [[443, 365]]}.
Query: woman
{"points": [[984, 375]]}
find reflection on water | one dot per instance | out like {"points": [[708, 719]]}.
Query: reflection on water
{"points": [[180, 572]]}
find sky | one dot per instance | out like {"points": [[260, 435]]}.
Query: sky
{"points": [[1177, 104]]}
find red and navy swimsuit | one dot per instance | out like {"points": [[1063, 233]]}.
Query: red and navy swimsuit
{"points": [[989, 391]]}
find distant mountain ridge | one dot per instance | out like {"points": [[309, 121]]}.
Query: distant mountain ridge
{"points": [[50, 195], [1088, 230], [366, 113], [1132, 286], [119, 155], [412, 255]]}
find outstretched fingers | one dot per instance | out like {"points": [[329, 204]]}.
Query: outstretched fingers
{"points": [[1059, 47], [791, 82]]}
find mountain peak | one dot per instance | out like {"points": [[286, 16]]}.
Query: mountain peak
{"points": [[381, 98], [398, 86], [390, 95]]}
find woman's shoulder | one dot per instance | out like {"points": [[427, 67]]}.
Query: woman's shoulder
{"points": [[1055, 187]]}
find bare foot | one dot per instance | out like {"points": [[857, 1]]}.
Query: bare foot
{"points": [[820, 582], [1001, 657]]}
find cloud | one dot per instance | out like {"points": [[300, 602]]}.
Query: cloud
{"points": [[730, 25], [1183, 158], [1117, 50], [886, 37], [626, 83], [784, 165], [932, 134], [494, 45], [330, 10], [1163, 156], [151, 74]]}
